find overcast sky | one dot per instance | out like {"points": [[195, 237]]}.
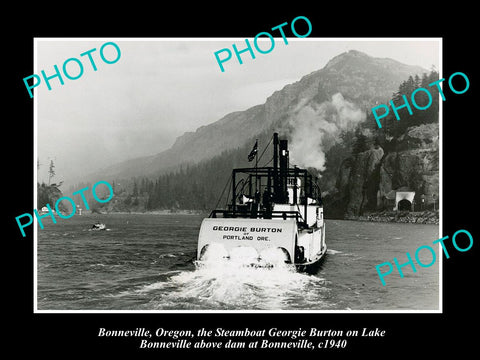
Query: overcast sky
{"points": [[161, 88]]}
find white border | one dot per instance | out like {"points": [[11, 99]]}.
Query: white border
{"points": [[35, 179], [440, 197]]}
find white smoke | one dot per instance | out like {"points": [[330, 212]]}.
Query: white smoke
{"points": [[315, 129]]}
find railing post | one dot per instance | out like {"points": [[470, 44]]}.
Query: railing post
{"points": [[234, 195]]}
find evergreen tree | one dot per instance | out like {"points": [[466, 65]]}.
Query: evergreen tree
{"points": [[51, 171], [418, 81], [135, 189], [360, 144], [396, 128]]}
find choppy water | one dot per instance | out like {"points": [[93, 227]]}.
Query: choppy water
{"points": [[145, 262]]}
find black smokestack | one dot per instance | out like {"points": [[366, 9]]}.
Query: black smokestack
{"points": [[283, 170]]}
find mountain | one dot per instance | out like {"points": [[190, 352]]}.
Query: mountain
{"points": [[326, 118], [361, 80]]}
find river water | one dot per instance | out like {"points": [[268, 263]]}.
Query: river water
{"points": [[146, 262]]}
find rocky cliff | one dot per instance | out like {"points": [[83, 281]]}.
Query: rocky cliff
{"points": [[368, 180]]}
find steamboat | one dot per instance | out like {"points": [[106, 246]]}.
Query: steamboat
{"points": [[272, 209]]}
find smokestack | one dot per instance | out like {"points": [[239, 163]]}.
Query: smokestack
{"points": [[276, 182], [283, 170]]}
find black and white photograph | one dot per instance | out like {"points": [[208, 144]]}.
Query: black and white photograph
{"points": [[221, 180], [176, 184]]}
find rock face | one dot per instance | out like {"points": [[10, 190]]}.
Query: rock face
{"points": [[363, 180], [415, 164], [366, 179]]}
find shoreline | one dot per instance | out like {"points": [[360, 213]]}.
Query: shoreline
{"points": [[154, 212], [406, 217]]}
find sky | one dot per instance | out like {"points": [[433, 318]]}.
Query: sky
{"points": [[161, 88]]}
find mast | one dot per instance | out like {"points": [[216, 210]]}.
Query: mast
{"points": [[257, 188], [305, 178], [276, 185]]}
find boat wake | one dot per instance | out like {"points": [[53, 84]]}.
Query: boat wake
{"points": [[237, 283]]}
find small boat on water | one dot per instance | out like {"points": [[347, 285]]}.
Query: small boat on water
{"points": [[98, 226], [277, 208]]}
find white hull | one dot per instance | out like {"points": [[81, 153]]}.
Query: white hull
{"points": [[273, 210]]}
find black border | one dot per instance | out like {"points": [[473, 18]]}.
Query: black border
{"points": [[62, 334]]}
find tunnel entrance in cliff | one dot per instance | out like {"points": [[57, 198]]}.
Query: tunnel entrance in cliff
{"points": [[404, 200], [404, 205]]}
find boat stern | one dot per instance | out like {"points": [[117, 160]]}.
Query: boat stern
{"points": [[249, 239]]}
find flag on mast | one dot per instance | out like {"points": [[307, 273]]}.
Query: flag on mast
{"points": [[253, 153]]}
